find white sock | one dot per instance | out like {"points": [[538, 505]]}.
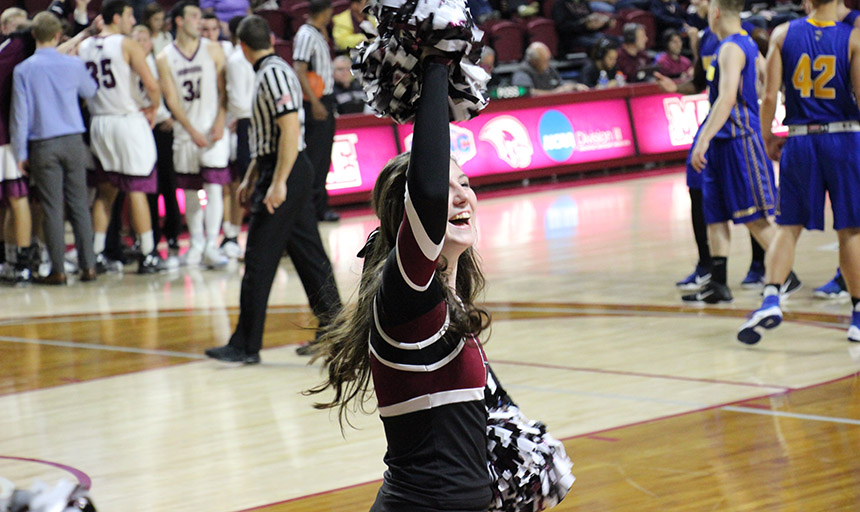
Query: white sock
{"points": [[11, 253], [214, 212], [230, 230], [194, 218], [99, 242], [147, 243], [857, 307]]}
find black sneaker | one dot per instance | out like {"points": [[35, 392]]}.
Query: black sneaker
{"points": [[711, 293], [151, 263], [791, 285], [105, 264], [231, 354]]}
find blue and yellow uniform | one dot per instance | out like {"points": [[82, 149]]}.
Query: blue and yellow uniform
{"points": [[738, 183], [708, 44], [824, 127]]}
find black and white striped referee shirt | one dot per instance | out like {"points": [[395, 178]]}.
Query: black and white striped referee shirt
{"points": [[277, 92], [310, 46]]}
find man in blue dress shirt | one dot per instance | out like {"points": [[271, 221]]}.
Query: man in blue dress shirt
{"points": [[46, 132]]}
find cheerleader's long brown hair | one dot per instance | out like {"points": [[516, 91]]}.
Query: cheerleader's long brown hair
{"points": [[344, 343]]}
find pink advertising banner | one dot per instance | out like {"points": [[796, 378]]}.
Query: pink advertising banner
{"points": [[357, 156], [668, 122], [537, 138]]}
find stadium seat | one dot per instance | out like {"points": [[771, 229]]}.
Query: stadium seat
{"points": [[507, 39], [284, 50], [543, 30], [279, 23], [298, 12]]}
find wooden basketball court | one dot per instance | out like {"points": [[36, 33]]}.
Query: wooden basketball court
{"points": [[658, 406]]}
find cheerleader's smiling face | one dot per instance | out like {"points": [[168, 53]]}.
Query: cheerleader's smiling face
{"points": [[462, 205]]}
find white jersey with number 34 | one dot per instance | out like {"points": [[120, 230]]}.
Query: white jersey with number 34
{"points": [[196, 81]]}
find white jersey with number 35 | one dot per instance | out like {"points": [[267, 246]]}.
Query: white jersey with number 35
{"points": [[117, 82], [196, 81]]}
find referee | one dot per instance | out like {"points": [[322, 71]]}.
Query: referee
{"points": [[277, 190], [312, 60]]}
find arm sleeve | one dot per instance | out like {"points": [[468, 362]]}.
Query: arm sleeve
{"points": [[408, 288], [276, 85], [302, 47], [20, 123]]}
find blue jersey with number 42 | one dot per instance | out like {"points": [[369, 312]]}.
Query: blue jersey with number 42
{"points": [[816, 73]]}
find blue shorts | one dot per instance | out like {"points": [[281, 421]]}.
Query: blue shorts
{"points": [[694, 178], [738, 183], [811, 165]]}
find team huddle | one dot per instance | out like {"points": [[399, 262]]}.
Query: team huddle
{"points": [[815, 61], [123, 86]]}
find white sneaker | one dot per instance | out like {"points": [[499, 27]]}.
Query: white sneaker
{"points": [[172, 262], [192, 257], [214, 258], [231, 249]]}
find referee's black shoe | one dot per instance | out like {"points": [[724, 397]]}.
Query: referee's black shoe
{"points": [[231, 354]]}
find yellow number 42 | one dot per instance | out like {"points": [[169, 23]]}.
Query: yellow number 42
{"points": [[802, 80]]}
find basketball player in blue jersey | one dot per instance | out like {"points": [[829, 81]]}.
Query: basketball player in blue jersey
{"points": [[738, 182], [707, 50], [836, 288], [818, 61]]}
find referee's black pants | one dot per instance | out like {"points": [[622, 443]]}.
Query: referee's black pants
{"points": [[293, 227], [319, 135]]}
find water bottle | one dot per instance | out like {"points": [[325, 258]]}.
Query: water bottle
{"points": [[620, 81], [603, 80]]}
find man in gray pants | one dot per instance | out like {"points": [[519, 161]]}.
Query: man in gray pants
{"points": [[46, 132]]}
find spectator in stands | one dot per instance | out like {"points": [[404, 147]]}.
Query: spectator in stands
{"points": [[578, 25], [633, 61], [348, 93], [604, 57], [518, 8], [350, 26], [488, 63], [669, 14], [483, 10], [671, 63], [264, 5], [537, 75], [10, 20], [226, 9], [153, 17]]}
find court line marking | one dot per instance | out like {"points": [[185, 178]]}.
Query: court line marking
{"points": [[794, 415], [576, 309], [641, 374], [83, 478], [107, 348], [194, 356]]}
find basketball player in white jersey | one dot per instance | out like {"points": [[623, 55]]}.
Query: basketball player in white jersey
{"points": [[212, 31], [120, 131], [191, 72]]}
